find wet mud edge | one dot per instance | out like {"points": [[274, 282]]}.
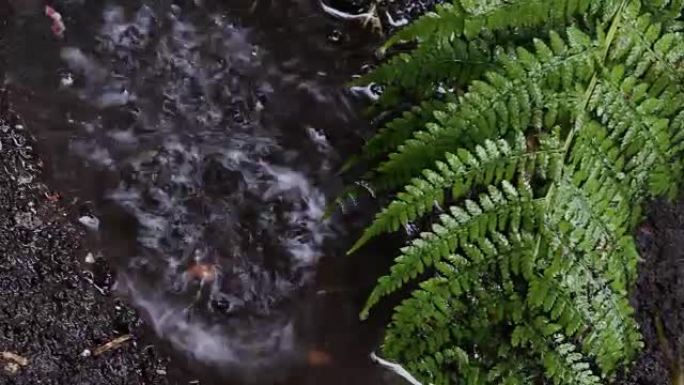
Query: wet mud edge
{"points": [[658, 296], [57, 310], [59, 321]]}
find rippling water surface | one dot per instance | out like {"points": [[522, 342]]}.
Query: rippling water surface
{"points": [[205, 137]]}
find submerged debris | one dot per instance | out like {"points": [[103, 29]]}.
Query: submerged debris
{"points": [[316, 357], [203, 272], [58, 27]]}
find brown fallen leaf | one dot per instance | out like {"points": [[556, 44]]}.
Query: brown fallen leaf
{"points": [[319, 358], [9, 356], [202, 271], [113, 344], [58, 27]]}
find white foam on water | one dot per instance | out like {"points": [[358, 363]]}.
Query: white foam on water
{"points": [[206, 187], [300, 231], [306, 249], [251, 344]]}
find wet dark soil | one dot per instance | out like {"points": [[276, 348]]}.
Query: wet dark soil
{"points": [[56, 308], [658, 297]]}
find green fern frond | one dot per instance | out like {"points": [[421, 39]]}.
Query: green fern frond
{"points": [[561, 361], [397, 131], [632, 115], [457, 61], [562, 142], [490, 163], [585, 299], [425, 313], [648, 47], [469, 18], [504, 209], [508, 102]]}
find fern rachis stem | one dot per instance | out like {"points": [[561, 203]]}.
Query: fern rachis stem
{"points": [[615, 22]]}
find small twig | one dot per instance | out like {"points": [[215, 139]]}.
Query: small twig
{"points": [[113, 344], [371, 16], [344, 15], [396, 368], [91, 281], [9, 356], [395, 23]]}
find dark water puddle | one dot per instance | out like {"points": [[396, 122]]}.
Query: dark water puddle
{"points": [[205, 137]]}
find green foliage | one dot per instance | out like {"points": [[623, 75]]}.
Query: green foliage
{"points": [[526, 186]]}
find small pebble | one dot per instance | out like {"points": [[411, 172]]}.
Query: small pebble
{"points": [[86, 353], [90, 222], [161, 372], [90, 258]]}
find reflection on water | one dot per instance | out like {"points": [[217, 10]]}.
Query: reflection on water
{"points": [[205, 138]]}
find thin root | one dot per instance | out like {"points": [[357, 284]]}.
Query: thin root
{"points": [[396, 368], [113, 344], [366, 18]]}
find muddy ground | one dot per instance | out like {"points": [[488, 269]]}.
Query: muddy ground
{"points": [[56, 309], [658, 297]]}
